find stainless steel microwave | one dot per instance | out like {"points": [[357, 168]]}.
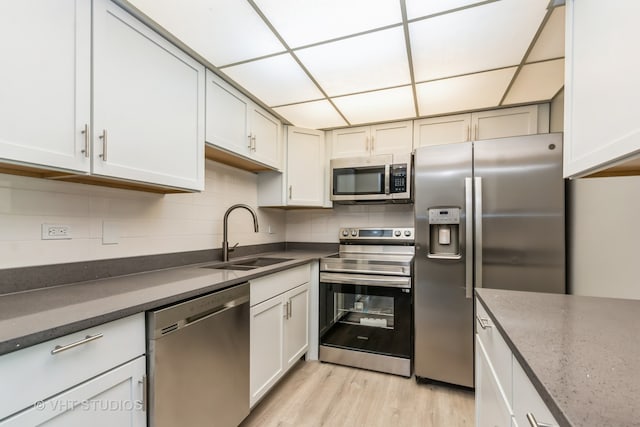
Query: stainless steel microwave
{"points": [[375, 179]]}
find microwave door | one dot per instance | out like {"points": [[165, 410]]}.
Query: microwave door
{"points": [[360, 183]]}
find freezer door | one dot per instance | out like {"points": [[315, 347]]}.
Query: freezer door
{"points": [[443, 307], [520, 235]]}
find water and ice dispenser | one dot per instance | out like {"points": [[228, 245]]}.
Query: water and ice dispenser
{"points": [[444, 233]]}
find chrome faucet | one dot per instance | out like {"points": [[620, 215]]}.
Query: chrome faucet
{"points": [[225, 240]]}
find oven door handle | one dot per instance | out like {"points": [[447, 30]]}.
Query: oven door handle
{"points": [[366, 280]]}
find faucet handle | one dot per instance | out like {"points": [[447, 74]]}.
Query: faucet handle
{"points": [[233, 248]]}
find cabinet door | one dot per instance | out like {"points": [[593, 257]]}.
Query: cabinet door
{"points": [[492, 409], [45, 91], [227, 117], [506, 122], [265, 131], [267, 335], [305, 167], [296, 327], [392, 138], [148, 105], [442, 130], [350, 142], [114, 398], [601, 93], [527, 400]]}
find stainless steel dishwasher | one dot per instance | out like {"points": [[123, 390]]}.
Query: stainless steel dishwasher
{"points": [[198, 361]]}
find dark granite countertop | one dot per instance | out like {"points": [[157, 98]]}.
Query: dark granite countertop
{"points": [[581, 353], [31, 317]]}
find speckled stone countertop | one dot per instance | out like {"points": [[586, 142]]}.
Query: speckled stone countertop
{"points": [[581, 353], [31, 317]]}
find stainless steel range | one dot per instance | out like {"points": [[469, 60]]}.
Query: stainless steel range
{"points": [[366, 300]]}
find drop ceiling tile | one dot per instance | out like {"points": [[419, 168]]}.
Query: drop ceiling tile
{"points": [[357, 64], [550, 44], [303, 22], [312, 115], [481, 38], [419, 8], [276, 80], [482, 90], [537, 82], [381, 105], [222, 31]]}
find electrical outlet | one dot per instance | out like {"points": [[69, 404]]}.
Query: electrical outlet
{"points": [[56, 231]]}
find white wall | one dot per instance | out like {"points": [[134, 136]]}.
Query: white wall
{"points": [[321, 225], [147, 223], [604, 243]]}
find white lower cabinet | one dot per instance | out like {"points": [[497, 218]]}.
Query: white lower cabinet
{"points": [[92, 377], [492, 409], [115, 398], [504, 393], [279, 327]]}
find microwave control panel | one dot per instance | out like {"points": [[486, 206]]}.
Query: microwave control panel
{"points": [[398, 178]]}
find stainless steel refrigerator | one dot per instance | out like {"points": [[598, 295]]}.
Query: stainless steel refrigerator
{"points": [[487, 214]]}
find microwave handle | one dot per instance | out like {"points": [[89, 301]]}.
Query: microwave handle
{"points": [[387, 178]]}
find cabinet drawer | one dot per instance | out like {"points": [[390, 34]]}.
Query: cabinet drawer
{"points": [[527, 400], [269, 286], [497, 350], [492, 409], [35, 373]]}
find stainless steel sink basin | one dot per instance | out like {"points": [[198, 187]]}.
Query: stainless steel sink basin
{"points": [[248, 264]]}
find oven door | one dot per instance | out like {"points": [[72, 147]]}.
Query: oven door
{"points": [[366, 312]]}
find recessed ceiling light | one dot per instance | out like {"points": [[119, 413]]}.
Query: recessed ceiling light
{"points": [[312, 115]]}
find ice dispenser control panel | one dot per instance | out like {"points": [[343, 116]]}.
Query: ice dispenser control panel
{"points": [[444, 233]]}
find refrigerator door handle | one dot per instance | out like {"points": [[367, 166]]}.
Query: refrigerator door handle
{"points": [[478, 230], [468, 276]]}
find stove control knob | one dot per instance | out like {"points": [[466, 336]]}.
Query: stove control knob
{"points": [[397, 233], [354, 233], [407, 233], [345, 233]]}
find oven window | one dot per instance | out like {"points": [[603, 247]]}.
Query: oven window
{"points": [[369, 318], [347, 181]]}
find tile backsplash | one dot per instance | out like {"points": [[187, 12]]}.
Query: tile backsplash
{"points": [[114, 223], [141, 223]]}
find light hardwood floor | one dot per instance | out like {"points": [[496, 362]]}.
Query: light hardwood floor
{"points": [[322, 394]]}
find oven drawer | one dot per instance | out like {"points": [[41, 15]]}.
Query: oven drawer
{"points": [[366, 280]]}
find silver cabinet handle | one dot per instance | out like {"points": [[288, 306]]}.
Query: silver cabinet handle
{"points": [[534, 423], [253, 139], [60, 348], [103, 137], [289, 310], [484, 322], [290, 192], [285, 307], [478, 220], [250, 146], [85, 132], [143, 382], [468, 273]]}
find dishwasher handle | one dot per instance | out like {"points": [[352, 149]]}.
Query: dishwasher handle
{"points": [[218, 310], [165, 321]]}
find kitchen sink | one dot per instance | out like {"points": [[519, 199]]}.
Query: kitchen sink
{"points": [[248, 264]]}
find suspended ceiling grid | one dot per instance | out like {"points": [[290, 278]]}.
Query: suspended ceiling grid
{"points": [[334, 63]]}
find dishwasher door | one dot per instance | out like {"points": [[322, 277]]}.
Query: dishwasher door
{"points": [[198, 360]]}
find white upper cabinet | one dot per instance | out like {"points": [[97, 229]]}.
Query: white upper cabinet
{"points": [[515, 121], [45, 93], [388, 138], [302, 183], [148, 104], [227, 117], [442, 130], [93, 90], [239, 126], [601, 85]]}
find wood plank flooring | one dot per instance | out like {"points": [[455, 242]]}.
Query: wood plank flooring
{"points": [[322, 394]]}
